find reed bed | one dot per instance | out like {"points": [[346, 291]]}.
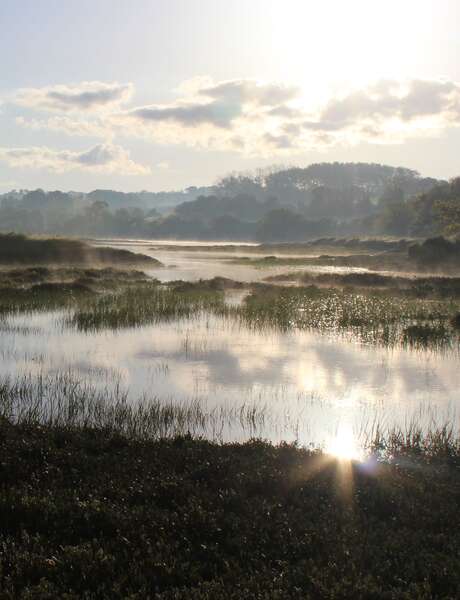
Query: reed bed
{"points": [[387, 320], [373, 319], [41, 298], [64, 400], [414, 323], [140, 305], [397, 444]]}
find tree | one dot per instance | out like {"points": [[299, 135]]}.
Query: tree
{"points": [[448, 212], [283, 225]]}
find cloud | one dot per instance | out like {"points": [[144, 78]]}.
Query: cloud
{"points": [[392, 109], [256, 118], [268, 119], [278, 142], [217, 105], [86, 96], [229, 115], [103, 158], [246, 91], [69, 126], [164, 164], [216, 113]]}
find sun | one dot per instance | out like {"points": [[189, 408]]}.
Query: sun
{"points": [[320, 44]]}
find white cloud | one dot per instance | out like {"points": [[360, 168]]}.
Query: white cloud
{"points": [[269, 119], [194, 114], [256, 118], [217, 105], [69, 126], [229, 115], [390, 110], [103, 158], [247, 91], [86, 96]]}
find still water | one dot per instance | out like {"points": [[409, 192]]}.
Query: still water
{"points": [[191, 265], [306, 386]]}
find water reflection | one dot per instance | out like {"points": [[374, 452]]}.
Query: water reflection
{"points": [[315, 388], [345, 444], [191, 265]]}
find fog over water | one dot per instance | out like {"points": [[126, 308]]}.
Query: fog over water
{"points": [[192, 265], [308, 385]]}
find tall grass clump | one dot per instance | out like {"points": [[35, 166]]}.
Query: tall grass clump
{"points": [[65, 401], [42, 297], [412, 443], [140, 305], [377, 319]]}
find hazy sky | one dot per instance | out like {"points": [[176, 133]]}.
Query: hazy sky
{"points": [[162, 94]]}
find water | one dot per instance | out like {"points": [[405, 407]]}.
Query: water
{"points": [[306, 386], [310, 387], [191, 265]]}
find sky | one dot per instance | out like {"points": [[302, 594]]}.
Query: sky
{"points": [[165, 94]]}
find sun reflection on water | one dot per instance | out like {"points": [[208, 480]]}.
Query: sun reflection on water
{"points": [[344, 444]]}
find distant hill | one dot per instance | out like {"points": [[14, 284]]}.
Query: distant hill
{"points": [[275, 204]]}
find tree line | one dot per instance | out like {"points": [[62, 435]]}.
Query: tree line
{"points": [[276, 204]]}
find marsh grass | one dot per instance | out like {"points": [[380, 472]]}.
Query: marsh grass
{"points": [[426, 336], [64, 400], [435, 287], [436, 442], [417, 323], [371, 317], [376, 319], [20, 249], [395, 261], [141, 305], [42, 297], [41, 289]]}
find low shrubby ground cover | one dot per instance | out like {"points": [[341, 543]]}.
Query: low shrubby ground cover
{"points": [[91, 514]]}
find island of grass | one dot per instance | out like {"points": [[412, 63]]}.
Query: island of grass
{"points": [[388, 283], [87, 513], [108, 299], [17, 249], [435, 255]]}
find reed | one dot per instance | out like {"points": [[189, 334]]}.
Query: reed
{"points": [[66, 401], [140, 305], [375, 319]]}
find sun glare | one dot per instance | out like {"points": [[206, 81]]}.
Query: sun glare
{"points": [[344, 445], [340, 42]]}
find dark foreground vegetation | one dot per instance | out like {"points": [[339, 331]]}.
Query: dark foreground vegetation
{"points": [[19, 249], [88, 514]]}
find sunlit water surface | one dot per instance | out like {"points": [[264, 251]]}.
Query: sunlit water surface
{"points": [[306, 386], [314, 388], [191, 265]]}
